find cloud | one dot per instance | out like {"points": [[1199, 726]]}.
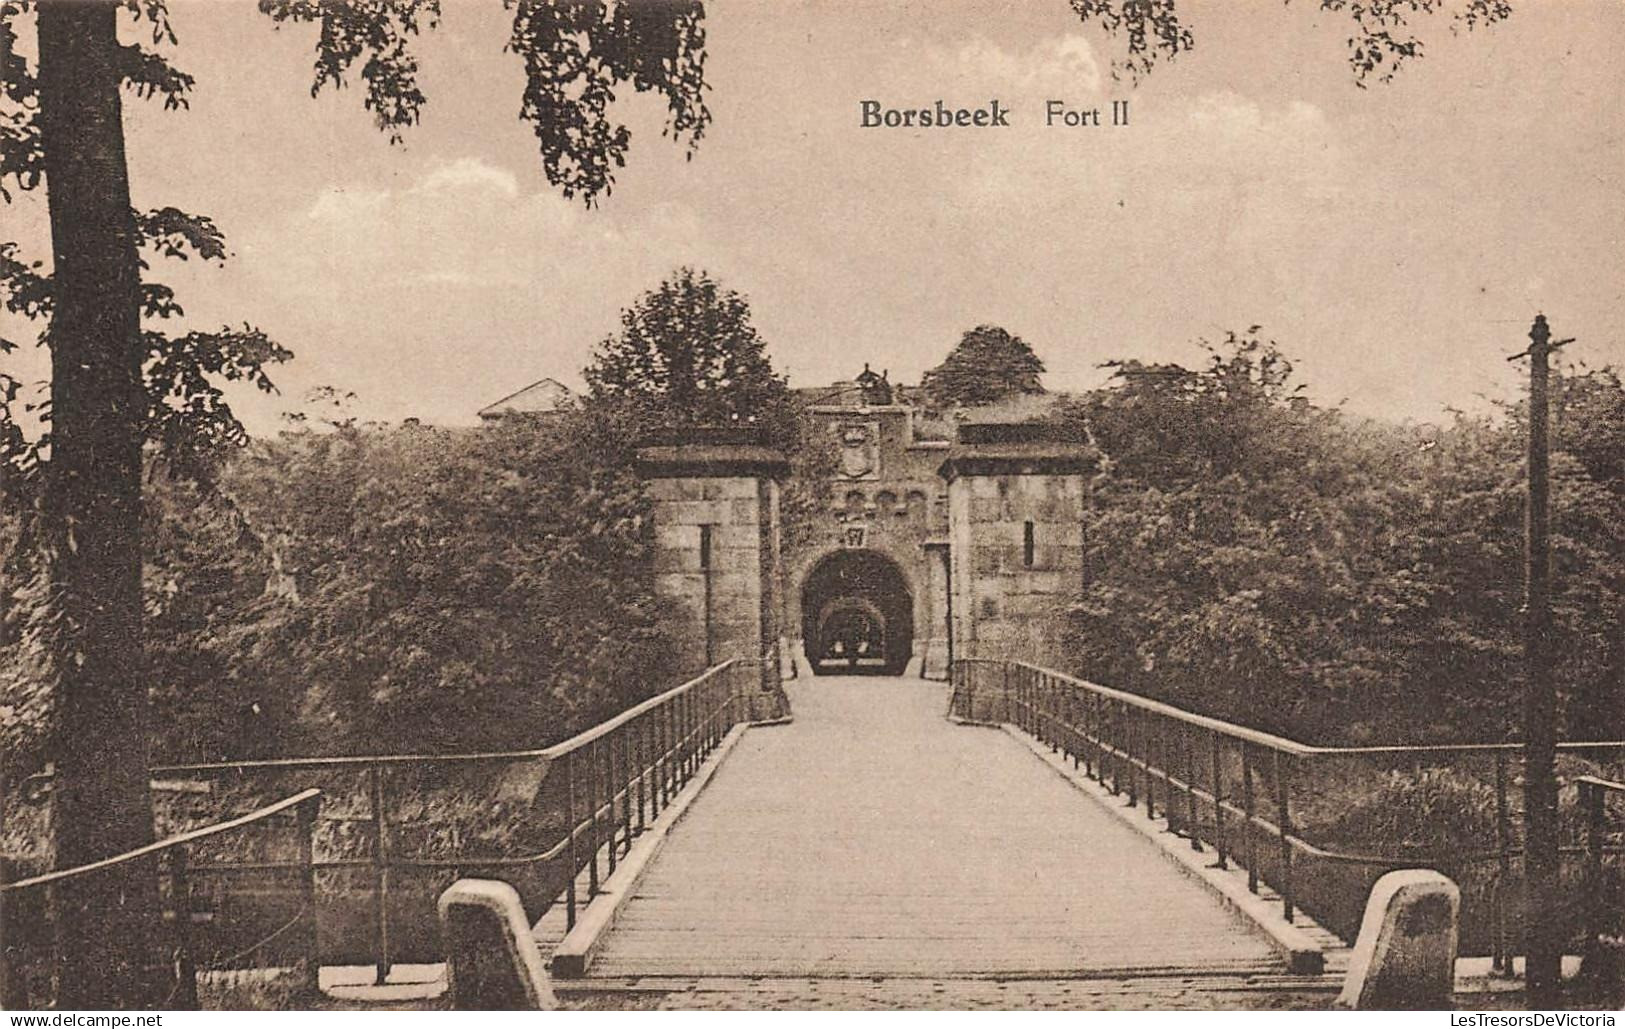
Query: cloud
{"points": [[338, 204], [468, 175], [1066, 65]]}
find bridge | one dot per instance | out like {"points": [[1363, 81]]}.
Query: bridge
{"points": [[873, 853], [1014, 837]]}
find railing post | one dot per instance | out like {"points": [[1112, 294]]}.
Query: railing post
{"points": [[1283, 794], [609, 796], [1118, 743], [592, 819], [657, 735], [623, 782], [8, 998], [573, 827], [380, 873], [643, 770], [1592, 799], [1131, 729], [1189, 752], [1147, 741], [1009, 702], [1219, 842], [1052, 708], [1502, 958], [668, 750], [306, 814], [1249, 823], [180, 890], [1091, 738], [1074, 743]]}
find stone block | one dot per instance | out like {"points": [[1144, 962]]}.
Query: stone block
{"points": [[491, 957], [987, 560], [1405, 955], [986, 509]]}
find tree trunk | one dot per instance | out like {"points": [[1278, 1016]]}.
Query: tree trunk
{"points": [[108, 922]]}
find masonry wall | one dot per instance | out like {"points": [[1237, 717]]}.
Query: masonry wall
{"points": [[717, 599], [1004, 606], [898, 510]]}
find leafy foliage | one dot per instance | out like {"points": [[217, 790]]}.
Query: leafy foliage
{"points": [[380, 30], [687, 356], [370, 590], [1152, 30], [1281, 565], [575, 56], [188, 417], [988, 365]]}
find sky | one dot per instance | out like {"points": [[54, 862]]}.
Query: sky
{"points": [[1395, 240]]}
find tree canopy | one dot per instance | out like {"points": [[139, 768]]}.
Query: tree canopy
{"points": [[687, 356], [1381, 40], [116, 383], [1286, 566], [988, 365]]}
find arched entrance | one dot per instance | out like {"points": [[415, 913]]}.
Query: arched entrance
{"points": [[857, 615]]}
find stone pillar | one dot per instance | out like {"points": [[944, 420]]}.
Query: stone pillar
{"points": [[1405, 955], [491, 957], [1015, 525], [717, 558]]}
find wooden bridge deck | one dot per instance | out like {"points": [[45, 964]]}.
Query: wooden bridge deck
{"points": [[873, 839]]}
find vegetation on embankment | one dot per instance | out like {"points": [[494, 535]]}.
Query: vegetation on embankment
{"points": [[389, 590], [1335, 579]]}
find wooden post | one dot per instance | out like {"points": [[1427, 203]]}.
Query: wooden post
{"points": [[180, 889], [1545, 934], [611, 783], [1189, 750], [1592, 799]]}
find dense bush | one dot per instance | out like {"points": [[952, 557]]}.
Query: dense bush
{"points": [[1335, 579], [1428, 811], [390, 590]]}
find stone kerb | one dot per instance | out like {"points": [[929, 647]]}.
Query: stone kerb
{"points": [[1405, 955], [491, 958]]}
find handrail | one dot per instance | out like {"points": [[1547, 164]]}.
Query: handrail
{"points": [[605, 784], [1283, 743], [1593, 782], [176, 868], [1231, 788], [552, 752], [191, 836]]}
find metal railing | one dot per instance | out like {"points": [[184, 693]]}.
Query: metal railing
{"points": [[1272, 805], [1605, 893], [28, 906], [396, 829]]}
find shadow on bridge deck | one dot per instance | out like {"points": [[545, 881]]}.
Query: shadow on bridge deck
{"points": [[874, 839]]}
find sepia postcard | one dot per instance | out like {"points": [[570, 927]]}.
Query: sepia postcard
{"points": [[784, 505]]}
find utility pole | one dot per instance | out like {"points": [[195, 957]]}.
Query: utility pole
{"points": [[1544, 933]]}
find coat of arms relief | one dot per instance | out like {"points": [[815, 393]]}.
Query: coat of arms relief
{"points": [[859, 446]]}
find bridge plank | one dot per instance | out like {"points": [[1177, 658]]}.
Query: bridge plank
{"points": [[871, 837]]}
